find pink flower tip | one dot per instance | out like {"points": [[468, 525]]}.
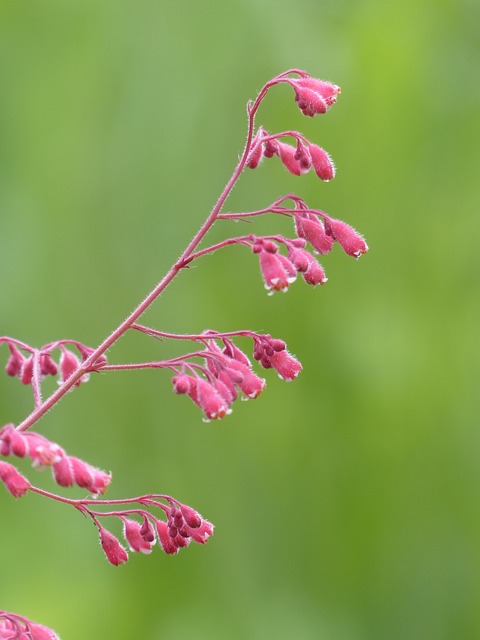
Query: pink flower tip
{"points": [[286, 365], [112, 548], [132, 532], [314, 96], [15, 483], [40, 632], [350, 240]]}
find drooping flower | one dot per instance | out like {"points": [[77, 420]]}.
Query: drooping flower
{"points": [[350, 240], [114, 551], [132, 531], [277, 271], [14, 481]]}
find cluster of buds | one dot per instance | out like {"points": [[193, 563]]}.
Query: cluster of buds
{"points": [[27, 363], [66, 470], [279, 271], [297, 159], [323, 234], [15, 627], [312, 95], [183, 525], [227, 371]]}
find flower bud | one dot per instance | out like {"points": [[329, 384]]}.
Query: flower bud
{"points": [[326, 90], [202, 533], [26, 373], [63, 472], [191, 517], [286, 154], [112, 548], [322, 163], [15, 483], [146, 530], [313, 230], [47, 365], [15, 361], [311, 271], [278, 273], [166, 542], [286, 365], [350, 240], [134, 538]]}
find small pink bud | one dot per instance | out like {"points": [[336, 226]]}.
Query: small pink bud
{"points": [[88, 477], [313, 230], [48, 365], [271, 148], [146, 531], [210, 401], [183, 383], [310, 102], [69, 363], [114, 551], [315, 274], [286, 365], [299, 259], [326, 90], [192, 518], [303, 157], [202, 533], [287, 156], [350, 240], [252, 385], [276, 274], [232, 351], [322, 163], [63, 472], [256, 152], [311, 271], [15, 361], [166, 542], [15, 483], [133, 535], [26, 374]]}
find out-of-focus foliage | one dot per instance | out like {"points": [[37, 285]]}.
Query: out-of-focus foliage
{"points": [[346, 503]]}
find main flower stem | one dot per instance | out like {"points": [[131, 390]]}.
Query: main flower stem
{"points": [[180, 264]]}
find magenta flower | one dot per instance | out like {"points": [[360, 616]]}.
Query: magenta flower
{"points": [[350, 240], [137, 541], [114, 551], [312, 272], [15, 483], [308, 226], [277, 271], [321, 162]]}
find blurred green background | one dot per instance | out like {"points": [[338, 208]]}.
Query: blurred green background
{"points": [[346, 504]]}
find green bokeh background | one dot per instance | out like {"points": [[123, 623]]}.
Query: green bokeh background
{"points": [[346, 504]]}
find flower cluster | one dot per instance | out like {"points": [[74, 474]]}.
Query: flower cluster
{"points": [[27, 363], [15, 627], [67, 470], [298, 159], [279, 271], [183, 525], [227, 371]]}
